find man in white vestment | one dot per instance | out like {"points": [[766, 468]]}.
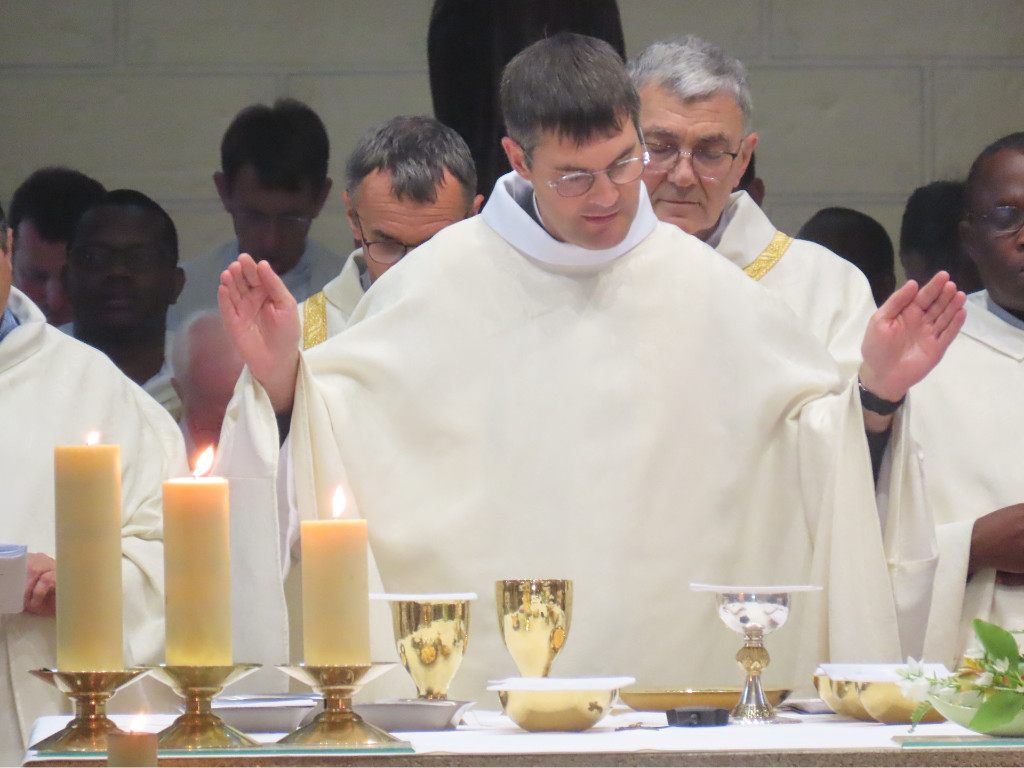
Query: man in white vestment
{"points": [[122, 277], [565, 387], [273, 183], [696, 115], [968, 419], [54, 390], [406, 180]]}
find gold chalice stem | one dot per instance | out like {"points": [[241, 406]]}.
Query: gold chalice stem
{"points": [[753, 657]]}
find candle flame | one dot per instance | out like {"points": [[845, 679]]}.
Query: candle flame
{"points": [[338, 503], [138, 723], [93, 438], [204, 463]]}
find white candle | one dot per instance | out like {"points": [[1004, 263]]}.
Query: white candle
{"points": [[135, 748], [335, 590], [197, 568], [87, 505]]}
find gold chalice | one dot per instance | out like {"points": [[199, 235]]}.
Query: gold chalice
{"points": [[87, 732], [431, 632], [753, 612], [533, 618]]}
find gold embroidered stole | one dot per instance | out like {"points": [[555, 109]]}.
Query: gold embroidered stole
{"points": [[769, 257], [314, 320]]}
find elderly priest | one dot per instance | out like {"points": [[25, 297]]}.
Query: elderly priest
{"points": [[565, 387], [56, 390]]}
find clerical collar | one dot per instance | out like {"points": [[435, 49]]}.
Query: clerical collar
{"points": [[715, 238], [8, 322], [508, 213]]}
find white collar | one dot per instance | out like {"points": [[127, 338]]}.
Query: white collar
{"points": [[506, 214], [993, 326]]}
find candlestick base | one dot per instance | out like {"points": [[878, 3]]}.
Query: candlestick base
{"points": [[338, 725], [198, 727], [87, 732]]}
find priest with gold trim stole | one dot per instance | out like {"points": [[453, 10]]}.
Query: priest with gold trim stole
{"points": [[54, 390], [563, 387]]}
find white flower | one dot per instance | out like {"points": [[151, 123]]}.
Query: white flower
{"points": [[984, 680], [1002, 666], [914, 667], [916, 688], [975, 653]]}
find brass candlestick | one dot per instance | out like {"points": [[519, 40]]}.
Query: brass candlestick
{"points": [[87, 732], [198, 727], [338, 725]]}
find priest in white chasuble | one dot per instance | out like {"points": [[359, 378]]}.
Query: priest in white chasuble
{"points": [[969, 419], [563, 387], [54, 391], [697, 118]]}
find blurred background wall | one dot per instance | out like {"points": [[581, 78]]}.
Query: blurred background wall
{"points": [[857, 103]]}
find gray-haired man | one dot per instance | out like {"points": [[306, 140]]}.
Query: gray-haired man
{"points": [[696, 116], [408, 179]]}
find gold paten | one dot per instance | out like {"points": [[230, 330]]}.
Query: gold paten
{"points": [[886, 703], [533, 618], [769, 257], [314, 320], [198, 727], [664, 699], [555, 710], [87, 732], [431, 636], [338, 725]]}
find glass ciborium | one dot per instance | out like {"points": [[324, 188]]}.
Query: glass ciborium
{"points": [[753, 612], [533, 619], [431, 633]]}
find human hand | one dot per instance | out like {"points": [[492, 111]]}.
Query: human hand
{"points": [[40, 584], [261, 317], [908, 335], [997, 541]]}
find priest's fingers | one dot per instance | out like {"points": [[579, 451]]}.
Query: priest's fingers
{"points": [[897, 302], [941, 302], [247, 268], [41, 600], [277, 291], [931, 290], [950, 331], [949, 311]]}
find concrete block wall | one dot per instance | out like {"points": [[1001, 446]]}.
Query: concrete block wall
{"points": [[857, 103]]}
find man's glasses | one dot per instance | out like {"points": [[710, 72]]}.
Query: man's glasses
{"points": [[710, 164], [1003, 220], [256, 220], [622, 172], [385, 252]]}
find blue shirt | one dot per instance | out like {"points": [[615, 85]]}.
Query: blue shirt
{"points": [[7, 323]]}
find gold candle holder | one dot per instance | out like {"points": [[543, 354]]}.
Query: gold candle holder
{"points": [[89, 691], [338, 725], [198, 727]]}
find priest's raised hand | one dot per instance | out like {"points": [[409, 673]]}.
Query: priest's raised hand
{"points": [[907, 337], [261, 318]]}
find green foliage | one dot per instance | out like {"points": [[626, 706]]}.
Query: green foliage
{"points": [[998, 643], [997, 710]]}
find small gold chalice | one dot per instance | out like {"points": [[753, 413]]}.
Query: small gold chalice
{"points": [[753, 612], [431, 632], [533, 618], [87, 732]]}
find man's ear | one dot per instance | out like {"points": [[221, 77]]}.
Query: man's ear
{"points": [[478, 201], [350, 215], [220, 181], [322, 197], [966, 232], [178, 284], [516, 157]]}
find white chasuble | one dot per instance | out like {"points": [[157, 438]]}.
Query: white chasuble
{"points": [[969, 422], [506, 406], [829, 295], [340, 297], [55, 391]]}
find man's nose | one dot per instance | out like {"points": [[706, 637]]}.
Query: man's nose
{"points": [[605, 192], [682, 174]]}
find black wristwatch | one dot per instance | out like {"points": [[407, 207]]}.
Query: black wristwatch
{"points": [[876, 404]]}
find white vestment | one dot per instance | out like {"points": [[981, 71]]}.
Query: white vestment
{"points": [[55, 391], [830, 295], [341, 295], [316, 266], [507, 406], [969, 423]]}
